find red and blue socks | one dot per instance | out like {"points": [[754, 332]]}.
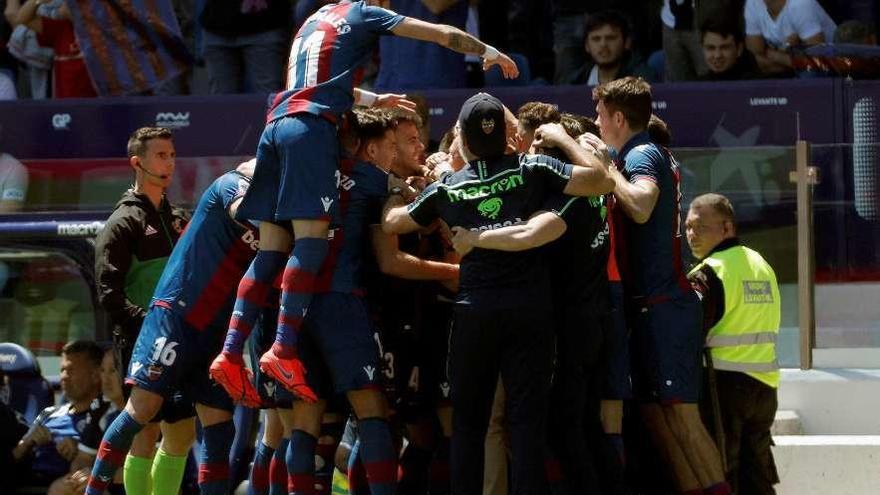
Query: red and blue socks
{"points": [[214, 462], [253, 294], [258, 483], [298, 285], [301, 463], [112, 451], [438, 477], [378, 455], [357, 475], [412, 473], [278, 469]]}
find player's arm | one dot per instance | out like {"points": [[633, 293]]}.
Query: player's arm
{"points": [[27, 15], [591, 175], [396, 218], [457, 40], [366, 98], [542, 228], [636, 198], [711, 292], [394, 262], [114, 248]]}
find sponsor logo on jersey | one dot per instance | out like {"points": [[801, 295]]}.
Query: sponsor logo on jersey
{"points": [[600, 238], [490, 207], [493, 226], [481, 191], [251, 240], [154, 372]]}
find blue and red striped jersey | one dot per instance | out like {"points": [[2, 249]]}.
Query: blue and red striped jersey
{"points": [[363, 189], [209, 259], [326, 58], [651, 252]]}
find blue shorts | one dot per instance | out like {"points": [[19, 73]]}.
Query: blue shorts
{"points": [[338, 339], [295, 175], [667, 342], [170, 357], [616, 384]]}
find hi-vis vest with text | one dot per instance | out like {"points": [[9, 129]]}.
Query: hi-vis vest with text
{"points": [[744, 339]]}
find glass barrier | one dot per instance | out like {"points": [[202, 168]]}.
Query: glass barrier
{"points": [[756, 181], [846, 211]]}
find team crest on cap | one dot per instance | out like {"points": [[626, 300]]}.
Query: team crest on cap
{"points": [[488, 125]]}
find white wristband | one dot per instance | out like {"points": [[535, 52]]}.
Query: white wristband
{"points": [[491, 53], [368, 98]]}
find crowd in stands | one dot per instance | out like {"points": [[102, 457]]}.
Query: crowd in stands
{"points": [[241, 47]]}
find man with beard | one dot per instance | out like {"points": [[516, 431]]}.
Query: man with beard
{"points": [[609, 45]]}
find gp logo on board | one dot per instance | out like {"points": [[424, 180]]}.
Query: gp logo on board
{"points": [[172, 120], [61, 121], [757, 292], [490, 207]]}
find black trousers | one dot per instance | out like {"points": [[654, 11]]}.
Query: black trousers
{"points": [[518, 343], [748, 408]]}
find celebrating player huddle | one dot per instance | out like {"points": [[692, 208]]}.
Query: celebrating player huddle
{"points": [[408, 286]]}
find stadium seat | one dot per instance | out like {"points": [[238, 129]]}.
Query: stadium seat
{"points": [[657, 63], [495, 79], [29, 392]]}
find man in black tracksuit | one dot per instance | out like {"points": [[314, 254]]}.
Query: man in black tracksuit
{"points": [[503, 317]]}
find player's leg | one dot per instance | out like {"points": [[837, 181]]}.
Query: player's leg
{"points": [[139, 462], [142, 405], [332, 427], [218, 432], [255, 288], [308, 151], [303, 445], [376, 446], [258, 481], [278, 477], [169, 464]]}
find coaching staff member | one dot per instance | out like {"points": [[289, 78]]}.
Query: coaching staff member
{"points": [[503, 317], [741, 312]]}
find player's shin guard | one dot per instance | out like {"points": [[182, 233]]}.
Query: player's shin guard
{"points": [[214, 461], [137, 475], [324, 456], [278, 469], [412, 473], [438, 483], [297, 288], [301, 463], [253, 295], [258, 483], [357, 476], [377, 452], [167, 473], [111, 454]]}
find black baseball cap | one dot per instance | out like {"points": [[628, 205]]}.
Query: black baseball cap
{"points": [[482, 125]]}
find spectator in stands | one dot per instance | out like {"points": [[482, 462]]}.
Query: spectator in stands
{"points": [[70, 78], [52, 442], [7, 63], [609, 45], [408, 64], [856, 33], [725, 53], [773, 27], [13, 183], [682, 20], [12, 429], [35, 59], [568, 39], [246, 45]]}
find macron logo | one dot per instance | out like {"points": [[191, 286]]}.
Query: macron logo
{"points": [[370, 371], [326, 201], [270, 389]]}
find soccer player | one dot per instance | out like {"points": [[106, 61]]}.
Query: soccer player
{"points": [[666, 322], [130, 254], [295, 182], [504, 306], [182, 332]]}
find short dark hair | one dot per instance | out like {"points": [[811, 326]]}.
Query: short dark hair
{"points": [[723, 28], [533, 114], [404, 116], [578, 123], [659, 132], [613, 18], [718, 203], [628, 95], [372, 123], [137, 142], [92, 351]]}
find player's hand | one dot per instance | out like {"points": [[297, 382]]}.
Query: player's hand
{"points": [[38, 435], [391, 100], [67, 447], [408, 192], [76, 481], [508, 67], [595, 145], [463, 240], [436, 158], [550, 136]]}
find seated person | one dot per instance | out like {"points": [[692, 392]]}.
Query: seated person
{"points": [[775, 26], [609, 45], [12, 428], [724, 51], [52, 442], [855, 33]]}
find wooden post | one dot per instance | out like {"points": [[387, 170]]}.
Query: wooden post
{"points": [[806, 177]]}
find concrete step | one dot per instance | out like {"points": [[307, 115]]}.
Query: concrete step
{"points": [[787, 423], [827, 464]]}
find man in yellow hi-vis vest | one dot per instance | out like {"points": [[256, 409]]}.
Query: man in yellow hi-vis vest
{"points": [[741, 313]]}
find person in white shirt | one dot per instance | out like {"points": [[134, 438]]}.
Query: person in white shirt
{"points": [[774, 26], [13, 183]]}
